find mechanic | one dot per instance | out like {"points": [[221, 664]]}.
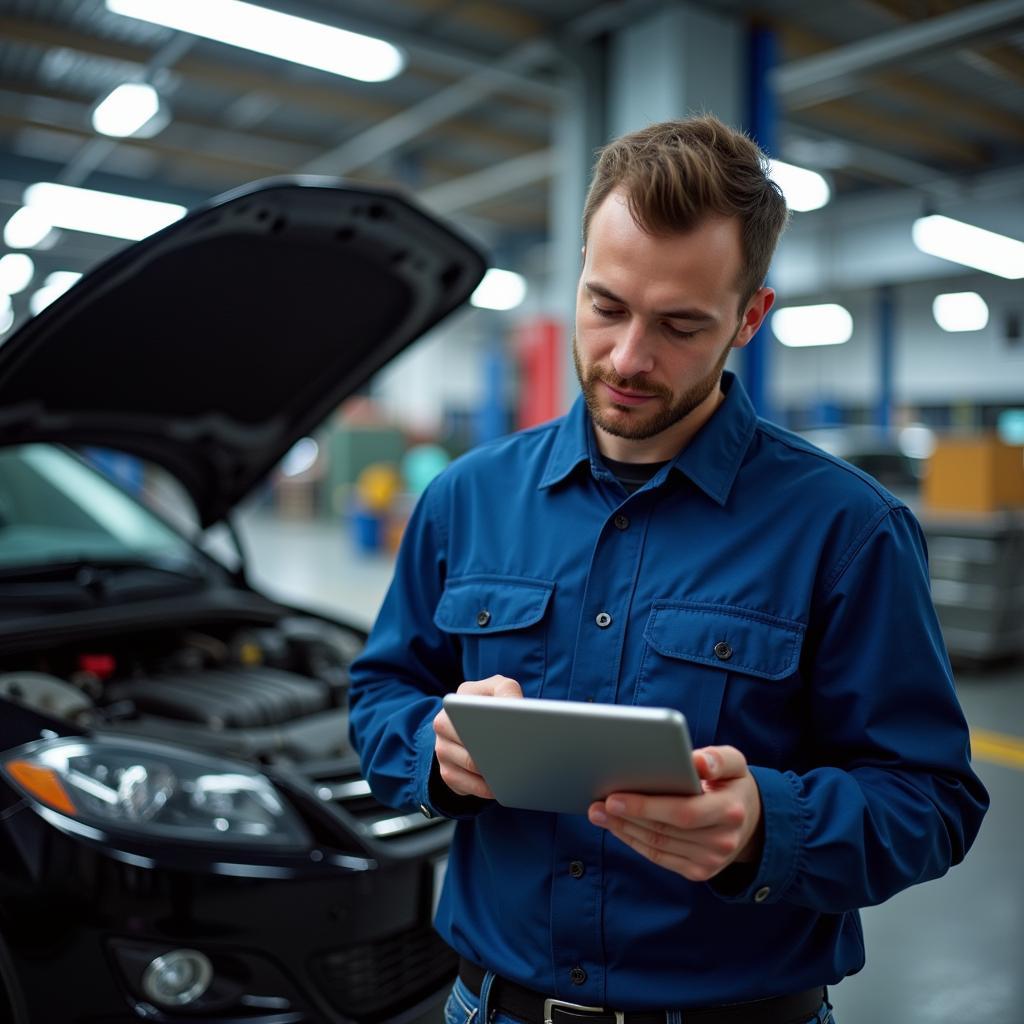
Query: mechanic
{"points": [[661, 545]]}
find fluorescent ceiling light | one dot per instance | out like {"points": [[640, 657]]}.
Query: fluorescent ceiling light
{"points": [[806, 326], [970, 246], [271, 32], [126, 110], [55, 285], [500, 289], [804, 190], [6, 314], [301, 456], [100, 213], [62, 279], [26, 229], [960, 311], [16, 270]]}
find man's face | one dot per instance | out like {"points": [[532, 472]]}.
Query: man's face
{"points": [[656, 318]]}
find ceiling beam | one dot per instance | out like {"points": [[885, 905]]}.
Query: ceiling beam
{"points": [[806, 146], [482, 186], [327, 99], [1002, 62], [999, 60], [903, 134], [470, 91], [238, 168], [971, 113], [837, 73], [414, 121]]}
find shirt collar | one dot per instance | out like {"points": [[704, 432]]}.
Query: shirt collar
{"points": [[572, 445], [711, 460]]}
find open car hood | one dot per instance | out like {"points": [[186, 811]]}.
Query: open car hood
{"points": [[213, 346]]}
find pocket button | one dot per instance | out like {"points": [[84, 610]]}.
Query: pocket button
{"points": [[483, 618], [723, 652]]}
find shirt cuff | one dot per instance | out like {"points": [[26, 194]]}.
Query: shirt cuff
{"points": [[768, 881], [436, 799]]}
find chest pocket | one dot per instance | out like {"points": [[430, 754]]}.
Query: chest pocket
{"points": [[501, 625], [695, 651]]}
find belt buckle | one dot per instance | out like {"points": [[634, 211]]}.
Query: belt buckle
{"points": [[550, 1004]]}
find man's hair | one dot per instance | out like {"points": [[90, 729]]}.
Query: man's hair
{"points": [[676, 174]]}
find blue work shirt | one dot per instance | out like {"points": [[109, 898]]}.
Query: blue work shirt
{"points": [[775, 595]]}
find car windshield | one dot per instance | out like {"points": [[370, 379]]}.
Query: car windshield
{"points": [[56, 509]]}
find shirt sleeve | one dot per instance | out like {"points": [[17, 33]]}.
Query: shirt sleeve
{"points": [[887, 797], [406, 667]]}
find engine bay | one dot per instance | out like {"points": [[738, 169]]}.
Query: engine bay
{"points": [[274, 694]]}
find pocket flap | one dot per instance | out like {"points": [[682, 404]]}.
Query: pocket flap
{"points": [[726, 637], [491, 604]]}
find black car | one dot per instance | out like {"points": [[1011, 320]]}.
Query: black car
{"points": [[185, 834]]}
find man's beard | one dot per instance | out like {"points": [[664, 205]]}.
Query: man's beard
{"points": [[640, 425]]}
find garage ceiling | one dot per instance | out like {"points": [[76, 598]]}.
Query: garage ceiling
{"points": [[880, 93]]}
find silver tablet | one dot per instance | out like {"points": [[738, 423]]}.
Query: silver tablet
{"points": [[559, 755]]}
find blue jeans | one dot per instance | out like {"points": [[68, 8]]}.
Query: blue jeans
{"points": [[463, 1007]]}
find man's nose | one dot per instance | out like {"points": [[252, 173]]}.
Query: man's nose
{"points": [[632, 353]]}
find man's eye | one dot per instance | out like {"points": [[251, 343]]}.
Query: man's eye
{"points": [[602, 311], [677, 333]]}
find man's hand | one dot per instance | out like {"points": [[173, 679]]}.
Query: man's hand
{"points": [[458, 771], [694, 836]]}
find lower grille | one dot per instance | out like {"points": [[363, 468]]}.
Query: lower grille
{"points": [[350, 791], [382, 978]]}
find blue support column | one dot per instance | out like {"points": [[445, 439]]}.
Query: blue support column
{"points": [[492, 418], [886, 346], [762, 120]]}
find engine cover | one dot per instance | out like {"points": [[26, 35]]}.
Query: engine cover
{"points": [[225, 698]]}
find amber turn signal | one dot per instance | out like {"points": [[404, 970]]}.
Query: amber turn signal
{"points": [[43, 784]]}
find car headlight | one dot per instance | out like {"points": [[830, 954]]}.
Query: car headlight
{"points": [[157, 790]]}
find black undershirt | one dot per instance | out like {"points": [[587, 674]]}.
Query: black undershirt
{"points": [[632, 475]]}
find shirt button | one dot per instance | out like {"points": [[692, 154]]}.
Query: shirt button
{"points": [[621, 523], [604, 620], [723, 651], [577, 976], [483, 618], [762, 894], [576, 869]]}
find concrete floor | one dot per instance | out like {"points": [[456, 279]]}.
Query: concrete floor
{"points": [[948, 952]]}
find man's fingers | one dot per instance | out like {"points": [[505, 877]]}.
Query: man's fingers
{"points": [[680, 812], [706, 846], [464, 783], [492, 686], [456, 755], [693, 861], [458, 769], [719, 763]]}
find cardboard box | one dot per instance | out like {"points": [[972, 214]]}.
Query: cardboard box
{"points": [[974, 474]]}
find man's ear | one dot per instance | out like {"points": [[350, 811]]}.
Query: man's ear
{"points": [[753, 316]]}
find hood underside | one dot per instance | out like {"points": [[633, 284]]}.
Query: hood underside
{"points": [[212, 346]]}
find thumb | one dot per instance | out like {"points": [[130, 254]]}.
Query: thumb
{"points": [[508, 688]]}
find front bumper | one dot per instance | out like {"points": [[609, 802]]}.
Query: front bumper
{"points": [[312, 936]]}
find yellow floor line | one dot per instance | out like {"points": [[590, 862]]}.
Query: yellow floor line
{"points": [[998, 747]]}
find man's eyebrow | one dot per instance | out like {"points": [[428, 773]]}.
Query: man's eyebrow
{"points": [[672, 314]]}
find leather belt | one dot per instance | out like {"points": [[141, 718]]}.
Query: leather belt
{"points": [[535, 1008]]}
